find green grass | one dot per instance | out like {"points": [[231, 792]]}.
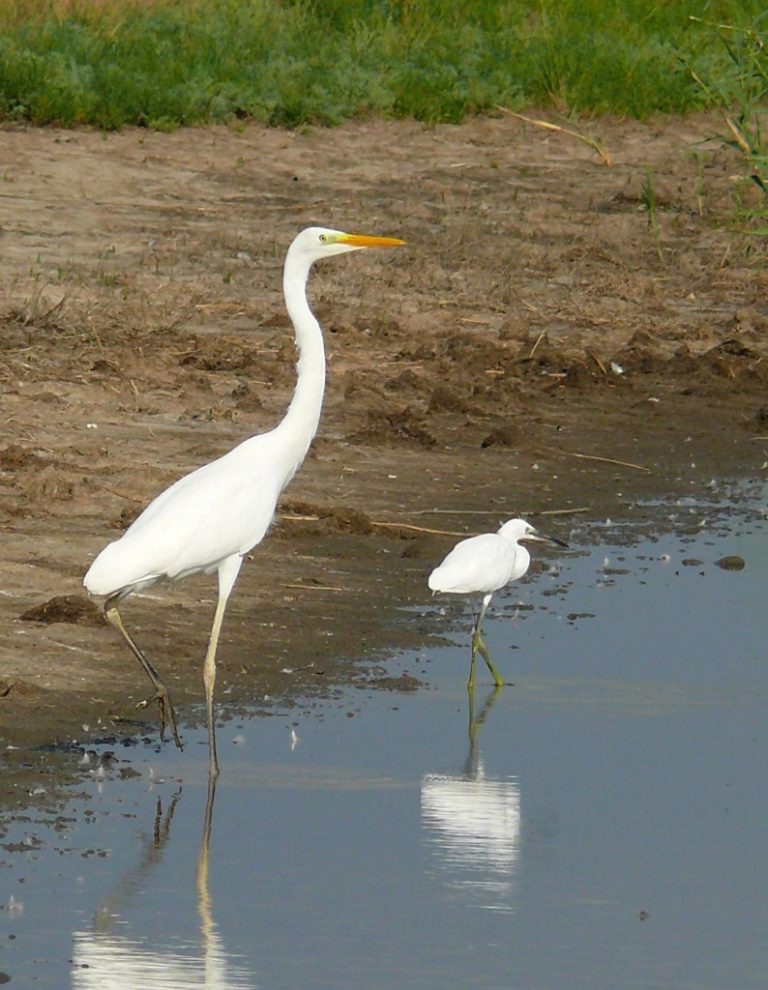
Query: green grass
{"points": [[738, 89], [170, 63]]}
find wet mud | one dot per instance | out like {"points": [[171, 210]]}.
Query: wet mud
{"points": [[546, 345]]}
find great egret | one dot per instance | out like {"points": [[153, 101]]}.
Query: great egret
{"points": [[482, 565], [209, 519]]}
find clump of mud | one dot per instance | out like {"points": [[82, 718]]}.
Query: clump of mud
{"points": [[404, 426], [329, 517], [76, 610]]}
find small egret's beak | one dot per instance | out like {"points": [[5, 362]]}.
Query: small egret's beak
{"points": [[368, 241], [541, 538]]}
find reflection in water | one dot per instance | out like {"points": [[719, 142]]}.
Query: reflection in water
{"points": [[106, 960], [472, 824]]}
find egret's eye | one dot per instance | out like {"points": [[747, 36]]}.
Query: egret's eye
{"points": [[323, 238]]}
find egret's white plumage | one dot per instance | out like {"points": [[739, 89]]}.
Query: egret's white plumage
{"points": [[243, 485], [485, 563], [209, 519], [482, 565]]}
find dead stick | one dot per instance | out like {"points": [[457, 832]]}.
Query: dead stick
{"points": [[314, 587], [611, 460], [597, 361], [130, 498], [593, 143], [416, 529], [496, 512], [457, 512], [383, 525], [738, 136], [561, 512], [539, 339]]}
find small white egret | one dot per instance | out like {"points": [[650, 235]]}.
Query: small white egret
{"points": [[209, 519], [482, 565]]}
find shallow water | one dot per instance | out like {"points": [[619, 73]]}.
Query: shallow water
{"points": [[603, 826]]}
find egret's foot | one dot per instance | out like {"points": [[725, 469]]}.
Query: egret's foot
{"points": [[164, 703]]}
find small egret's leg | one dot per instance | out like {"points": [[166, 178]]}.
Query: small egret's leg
{"points": [[476, 639], [482, 649], [471, 681], [228, 571], [161, 691], [478, 646]]}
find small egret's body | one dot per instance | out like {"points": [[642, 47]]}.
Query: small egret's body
{"points": [[482, 565], [209, 519]]}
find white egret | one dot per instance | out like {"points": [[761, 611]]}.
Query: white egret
{"points": [[209, 519], [482, 565]]}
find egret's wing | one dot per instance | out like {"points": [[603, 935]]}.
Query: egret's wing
{"points": [[222, 508], [479, 564]]}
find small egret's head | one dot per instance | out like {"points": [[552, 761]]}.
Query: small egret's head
{"points": [[518, 529], [322, 242]]}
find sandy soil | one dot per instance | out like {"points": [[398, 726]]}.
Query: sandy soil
{"points": [[535, 327]]}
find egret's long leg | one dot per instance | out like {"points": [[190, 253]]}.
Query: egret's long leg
{"points": [[478, 646], [476, 639], [228, 571], [482, 649], [471, 681], [161, 691]]}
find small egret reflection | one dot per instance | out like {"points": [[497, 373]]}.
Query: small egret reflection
{"points": [[472, 824]]}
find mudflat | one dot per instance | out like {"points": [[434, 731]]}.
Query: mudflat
{"points": [[560, 339]]}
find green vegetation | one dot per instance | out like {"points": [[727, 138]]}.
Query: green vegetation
{"points": [[739, 90], [167, 63], [648, 195]]}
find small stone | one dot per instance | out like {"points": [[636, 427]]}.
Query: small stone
{"points": [[731, 563]]}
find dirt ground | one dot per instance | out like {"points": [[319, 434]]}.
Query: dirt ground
{"points": [[541, 325]]}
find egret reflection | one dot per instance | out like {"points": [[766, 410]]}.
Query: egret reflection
{"points": [[109, 958], [471, 825]]}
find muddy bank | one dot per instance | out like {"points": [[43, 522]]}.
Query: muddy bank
{"points": [[542, 345]]}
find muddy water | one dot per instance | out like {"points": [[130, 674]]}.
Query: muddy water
{"points": [[601, 826]]}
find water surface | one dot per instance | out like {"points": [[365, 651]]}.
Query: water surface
{"points": [[603, 826]]}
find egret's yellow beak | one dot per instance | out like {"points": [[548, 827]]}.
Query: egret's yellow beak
{"points": [[367, 241]]}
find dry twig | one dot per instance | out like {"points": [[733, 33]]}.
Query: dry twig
{"points": [[130, 498], [561, 512], [539, 339], [313, 587], [594, 143], [610, 460], [416, 529]]}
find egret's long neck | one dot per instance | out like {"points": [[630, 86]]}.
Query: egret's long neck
{"points": [[301, 421]]}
